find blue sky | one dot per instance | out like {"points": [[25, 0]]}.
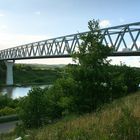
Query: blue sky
{"points": [[23, 21]]}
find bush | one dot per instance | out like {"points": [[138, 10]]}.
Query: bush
{"points": [[60, 98], [4, 101], [7, 111], [124, 79], [131, 78], [33, 108]]}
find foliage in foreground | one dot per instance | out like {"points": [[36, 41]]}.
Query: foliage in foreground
{"points": [[8, 105], [33, 108], [119, 120]]}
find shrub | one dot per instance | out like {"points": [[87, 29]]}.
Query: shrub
{"points": [[124, 77], [131, 78], [4, 101], [7, 111], [60, 98], [33, 108]]}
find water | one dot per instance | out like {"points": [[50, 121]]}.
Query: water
{"points": [[16, 92]]}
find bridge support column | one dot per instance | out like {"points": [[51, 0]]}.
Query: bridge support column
{"points": [[9, 74]]}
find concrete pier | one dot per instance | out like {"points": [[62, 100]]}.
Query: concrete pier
{"points": [[9, 74]]}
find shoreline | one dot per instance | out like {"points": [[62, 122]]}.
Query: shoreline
{"points": [[25, 85]]}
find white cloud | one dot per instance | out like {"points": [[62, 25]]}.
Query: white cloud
{"points": [[104, 23], [12, 40], [38, 13], [48, 61], [132, 61], [2, 15], [3, 27]]}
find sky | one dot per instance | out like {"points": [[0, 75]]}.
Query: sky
{"points": [[26, 21]]}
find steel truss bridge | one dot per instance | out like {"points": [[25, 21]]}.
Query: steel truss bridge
{"points": [[125, 40]]}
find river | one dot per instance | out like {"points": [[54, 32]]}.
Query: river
{"points": [[17, 91]]}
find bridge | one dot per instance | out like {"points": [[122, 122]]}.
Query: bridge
{"points": [[125, 40]]}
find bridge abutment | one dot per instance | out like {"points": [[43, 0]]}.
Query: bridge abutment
{"points": [[9, 73]]}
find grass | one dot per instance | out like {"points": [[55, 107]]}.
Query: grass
{"points": [[113, 122], [94, 126]]}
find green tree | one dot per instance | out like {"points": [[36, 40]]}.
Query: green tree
{"points": [[131, 78], [91, 73], [92, 53], [123, 80], [60, 98], [33, 108], [2, 72]]}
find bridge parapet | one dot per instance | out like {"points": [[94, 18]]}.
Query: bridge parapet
{"points": [[125, 39]]}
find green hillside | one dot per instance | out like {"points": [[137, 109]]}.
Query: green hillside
{"points": [[35, 74], [29, 74]]}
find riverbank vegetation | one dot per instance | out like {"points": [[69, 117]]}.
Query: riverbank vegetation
{"points": [[92, 100], [8, 106], [31, 74], [119, 120], [35, 75]]}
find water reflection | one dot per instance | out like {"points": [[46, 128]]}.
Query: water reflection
{"points": [[16, 92]]}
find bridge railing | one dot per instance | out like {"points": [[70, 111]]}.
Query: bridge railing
{"points": [[125, 39]]}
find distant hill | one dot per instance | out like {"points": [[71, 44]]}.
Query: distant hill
{"points": [[44, 65], [28, 74]]}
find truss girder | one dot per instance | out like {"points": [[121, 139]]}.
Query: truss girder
{"points": [[125, 40]]}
